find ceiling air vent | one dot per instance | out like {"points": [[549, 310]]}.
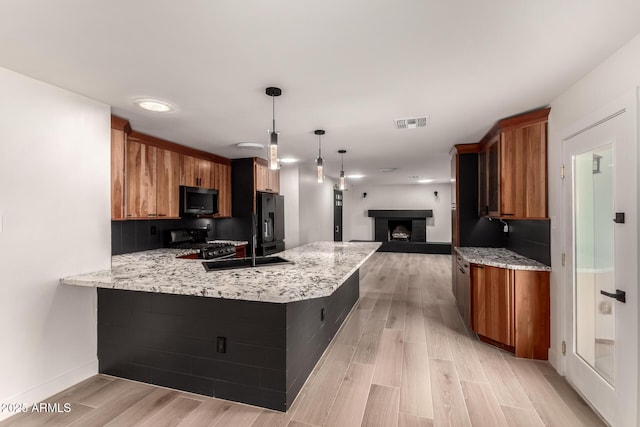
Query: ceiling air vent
{"points": [[388, 170], [411, 122]]}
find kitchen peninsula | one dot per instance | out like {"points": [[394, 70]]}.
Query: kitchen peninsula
{"points": [[251, 335]]}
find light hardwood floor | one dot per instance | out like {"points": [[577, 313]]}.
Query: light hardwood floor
{"points": [[402, 358]]}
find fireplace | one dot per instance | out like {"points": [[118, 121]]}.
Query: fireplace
{"points": [[399, 230], [409, 226]]}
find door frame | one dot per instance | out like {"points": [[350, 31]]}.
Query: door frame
{"points": [[630, 103]]}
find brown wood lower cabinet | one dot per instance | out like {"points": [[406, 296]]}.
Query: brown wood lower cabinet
{"points": [[510, 309]]}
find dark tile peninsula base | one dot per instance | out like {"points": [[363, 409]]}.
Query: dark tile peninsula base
{"points": [[252, 352]]}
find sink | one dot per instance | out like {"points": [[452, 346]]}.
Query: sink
{"points": [[229, 264]]}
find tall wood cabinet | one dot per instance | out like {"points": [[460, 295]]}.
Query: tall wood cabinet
{"points": [[512, 168], [146, 174]]}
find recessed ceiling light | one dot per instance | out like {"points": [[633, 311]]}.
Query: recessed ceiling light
{"points": [[249, 146], [355, 176], [155, 105], [425, 181], [387, 170], [288, 160], [414, 177]]}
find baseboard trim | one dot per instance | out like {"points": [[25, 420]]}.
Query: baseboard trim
{"points": [[52, 386]]}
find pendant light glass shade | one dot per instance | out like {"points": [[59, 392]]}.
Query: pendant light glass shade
{"points": [[273, 152], [273, 140], [319, 162], [320, 170], [342, 183]]}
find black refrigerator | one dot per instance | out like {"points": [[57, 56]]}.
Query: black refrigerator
{"points": [[270, 223]]}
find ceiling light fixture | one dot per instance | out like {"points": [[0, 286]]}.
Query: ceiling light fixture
{"points": [[425, 181], [342, 184], [288, 160], [273, 140], [355, 176], [155, 105], [319, 166], [249, 146]]}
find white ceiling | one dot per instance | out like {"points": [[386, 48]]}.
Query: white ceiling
{"points": [[350, 67]]}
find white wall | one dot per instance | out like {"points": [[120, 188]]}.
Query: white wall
{"points": [[616, 76], [358, 226], [316, 206], [290, 189], [54, 202]]}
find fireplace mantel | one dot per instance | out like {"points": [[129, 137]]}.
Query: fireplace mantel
{"points": [[400, 213]]}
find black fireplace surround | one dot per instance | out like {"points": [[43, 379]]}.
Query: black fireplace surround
{"points": [[414, 221]]}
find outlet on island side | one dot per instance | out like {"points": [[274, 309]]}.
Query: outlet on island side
{"points": [[322, 314], [221, 344]]}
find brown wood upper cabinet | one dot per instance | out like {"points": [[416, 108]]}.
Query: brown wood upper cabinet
{"points": [[195, 172], [221, 180], [118, 138], [266, 180], [146, 174], [141, 180], [510, 309], [513, 168]]}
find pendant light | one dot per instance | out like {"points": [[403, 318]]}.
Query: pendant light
{"points": [[319, 132], [342, 178], [273, 141]]}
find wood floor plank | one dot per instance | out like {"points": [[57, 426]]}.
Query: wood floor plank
{"points": [[81, 390], [582, 411], [349, 405], [448, 401], [546, 401], [367, 350], [268, 418], [518, 417], [238, 415], [437, 342], [319, 397], [145, 408], [397, 313], [111, 400], [382, 407], [172, 413], [389, 363], [352, 329], [415, 390], [366, 303], [407, 420], [207, 414], [381, 308], [112, 390], [505, 385], [482, 406], [465, 358], [414, 323]]}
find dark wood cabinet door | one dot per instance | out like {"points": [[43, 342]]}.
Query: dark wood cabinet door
{"points": [[492, 303]]}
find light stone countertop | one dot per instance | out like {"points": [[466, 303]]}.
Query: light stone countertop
{"points": [[500, 257], [318, 269]]}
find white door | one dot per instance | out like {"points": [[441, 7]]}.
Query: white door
{"points": [[601, 249]]}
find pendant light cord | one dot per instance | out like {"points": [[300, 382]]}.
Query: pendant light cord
{"points": [[342, 162], [273, 98], [320, 146]]}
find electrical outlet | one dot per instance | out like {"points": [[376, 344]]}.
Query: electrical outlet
{"points": [[208, 226], [153, 230], [506, 228], [221, 344]]}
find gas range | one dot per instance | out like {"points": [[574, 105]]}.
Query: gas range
{"points": [[197, 239]]}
